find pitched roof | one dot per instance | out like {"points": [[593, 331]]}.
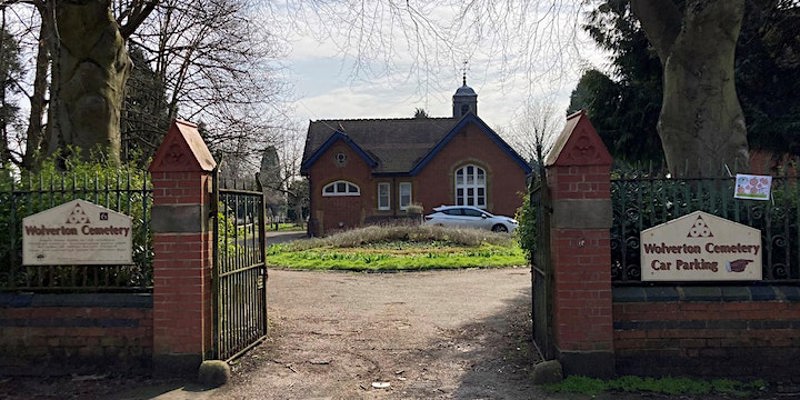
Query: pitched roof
{"points": [[395, 146]]}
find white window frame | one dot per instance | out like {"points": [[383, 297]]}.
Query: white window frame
{"points": [[337, 189], [400, 188], [388, 198], [474, 184]]}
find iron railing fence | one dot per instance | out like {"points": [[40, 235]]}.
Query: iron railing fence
{"points": [[127, 192], [239, 276], [641, 203], [542, 268]]}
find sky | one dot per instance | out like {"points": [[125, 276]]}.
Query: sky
{"points": [[333, 80]]}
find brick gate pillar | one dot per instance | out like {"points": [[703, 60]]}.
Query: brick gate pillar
{"points": [[578, 174], [182, 238]]}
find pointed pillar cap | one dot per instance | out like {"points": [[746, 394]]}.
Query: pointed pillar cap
{"points": [[578, 144], [183, 150]]}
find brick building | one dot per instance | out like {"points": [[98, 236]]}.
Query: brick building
{"points": [[370, 170]]}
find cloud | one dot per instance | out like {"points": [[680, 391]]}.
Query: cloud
{"points": [[340, 75]]}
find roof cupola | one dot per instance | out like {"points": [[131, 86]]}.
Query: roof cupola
{"points": [[465, 100]]}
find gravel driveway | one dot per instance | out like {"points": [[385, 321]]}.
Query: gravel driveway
{"points": [[428, 335]]}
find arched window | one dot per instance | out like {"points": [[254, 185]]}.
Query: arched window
{"points": [[341, 188], [471, 186]]}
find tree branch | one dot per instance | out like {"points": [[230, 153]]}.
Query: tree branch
{"points": [[136, 18]]}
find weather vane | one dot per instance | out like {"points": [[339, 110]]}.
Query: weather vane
{"points": [[464, 71]]}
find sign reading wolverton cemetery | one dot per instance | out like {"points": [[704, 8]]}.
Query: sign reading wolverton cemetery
{"points": [[701, 247], [77, 233]]}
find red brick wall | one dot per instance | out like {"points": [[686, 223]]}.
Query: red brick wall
{"points": [[581, 182], [91, 333], [432, 187], [435, 185], [708, 338], [182, 273], [763, 162], [328, 212], [181, 187], [582, 317]]}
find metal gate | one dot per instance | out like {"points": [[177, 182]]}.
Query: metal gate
{"points": [[542, 268], [239, 275]]}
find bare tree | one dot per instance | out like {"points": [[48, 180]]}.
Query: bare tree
{"points": [[207, 61], [34, 35], [220, 67], [533, 132]]}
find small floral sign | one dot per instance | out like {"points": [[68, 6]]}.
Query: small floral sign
{"points": [[752, 187]]}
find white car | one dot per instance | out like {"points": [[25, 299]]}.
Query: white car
{"points": [[470, 217]]}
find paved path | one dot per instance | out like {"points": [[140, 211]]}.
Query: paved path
{"points": [[274, 237]]}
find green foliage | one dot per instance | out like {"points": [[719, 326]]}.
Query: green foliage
{"points": [[227, 232], [526, 232], [624, 110], [379, 248], [768, 74], [10, 76], [124, 189], [579, 384], [666, 385]]}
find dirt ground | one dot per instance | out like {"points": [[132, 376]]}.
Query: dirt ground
{"points": [[428, 335], [336, 335]]}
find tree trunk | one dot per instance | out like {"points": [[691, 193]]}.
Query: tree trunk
{"points": [[89, 75], [36, 138], [701, 125]]}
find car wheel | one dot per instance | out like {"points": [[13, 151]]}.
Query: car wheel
{"points": [[499, 228]]}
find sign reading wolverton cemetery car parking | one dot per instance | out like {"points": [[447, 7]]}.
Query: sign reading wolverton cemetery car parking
{"points": [[701, 247], [77, 233]]}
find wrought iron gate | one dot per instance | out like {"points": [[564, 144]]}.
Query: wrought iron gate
{"points": [[542, 268], [239, 275]]}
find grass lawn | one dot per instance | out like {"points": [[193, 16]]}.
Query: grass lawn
{"points": [[666, 385], [391, 248]]}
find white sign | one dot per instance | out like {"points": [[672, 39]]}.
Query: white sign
{"points": [[701, 247], [752, 187], [77, 233]]}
